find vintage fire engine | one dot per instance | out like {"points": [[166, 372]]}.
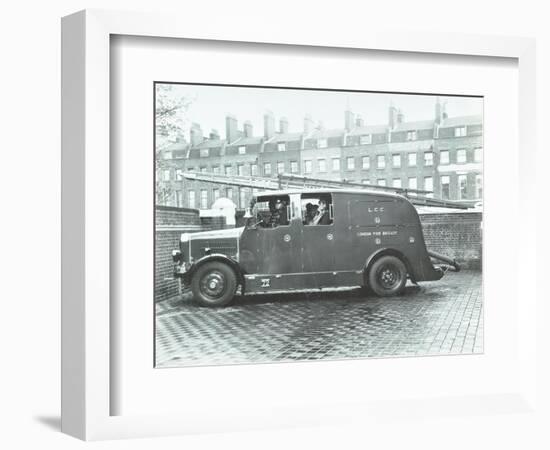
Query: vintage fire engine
{"points": [[366, 238]]}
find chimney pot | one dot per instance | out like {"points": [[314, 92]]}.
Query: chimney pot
{"points": [[195, 134], [269, 125], [392, 119], [348, 120], [308, 124], [248, 129], [283, 125], [231, 132]]}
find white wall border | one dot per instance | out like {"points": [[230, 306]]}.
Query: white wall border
{"points": [[85, 206]]}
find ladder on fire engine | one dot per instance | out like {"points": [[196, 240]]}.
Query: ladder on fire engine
{"points": [[417, 197]]}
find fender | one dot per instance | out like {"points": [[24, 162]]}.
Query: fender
{"points": [[387, 251], [215, 257]]}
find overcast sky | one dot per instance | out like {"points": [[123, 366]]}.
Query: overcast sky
{"points": [[212, 103]]}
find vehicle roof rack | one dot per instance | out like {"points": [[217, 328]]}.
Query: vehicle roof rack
{"points": [[417, 197]]}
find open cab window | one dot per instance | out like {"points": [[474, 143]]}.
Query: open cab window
{"points": [[270, 211], [317, 209]]}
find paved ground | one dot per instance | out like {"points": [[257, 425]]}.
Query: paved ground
{"points": [[442, 317]]}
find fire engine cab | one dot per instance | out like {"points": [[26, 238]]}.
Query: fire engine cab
{"points": [[303, 239]]}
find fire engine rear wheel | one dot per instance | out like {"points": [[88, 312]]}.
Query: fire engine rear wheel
{"points": [[214, 284], [388, 276]]}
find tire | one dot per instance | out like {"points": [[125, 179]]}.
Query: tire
{"points": [[388, 276], [214, 284]]}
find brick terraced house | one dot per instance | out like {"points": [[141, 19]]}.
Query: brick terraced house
{"points": [[441, 154]]}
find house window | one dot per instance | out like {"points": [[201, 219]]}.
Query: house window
{"points": [[478, 154], [204, 199], [396, 160], [204, 153], [267, 168], [381, 182], [365, 162], [240, 169], [479, 186], [215, 193], [462, 186], [293, 166], [461, 155], [429, 185], [191, 195], [350, 163], [229, 193], [365, 181], [380, 161], [254, 170], [335, 163], [460, 131], [322, 165], [445, 187], [179, 174], [444, 157], [190, 169], [228, 170], [242, 150], [280, 167], [204, 169], [179, 199], [216, 169], [365, 139], [411, 135], [396, 182], [322, 143], [412, 159], [281, 146], [166, 174], [307, 166], [413, 183], [428, 158]]}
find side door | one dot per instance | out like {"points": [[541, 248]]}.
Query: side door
{"points": [[318, 240], [273, 250]]}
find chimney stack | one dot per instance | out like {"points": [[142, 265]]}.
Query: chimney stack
{"points": [[392, 116], [269, 125], [248, 129], [308, 124], [359, 122], [195, 134], [214, 135], [231, 132], [348, 119], [400, 117], [283, 125], [439, 111]]}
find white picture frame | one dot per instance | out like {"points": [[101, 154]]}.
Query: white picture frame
{"points": [[86, 313]]}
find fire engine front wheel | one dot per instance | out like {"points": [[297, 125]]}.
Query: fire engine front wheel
{"points": [[388, 276], [214, 284]]}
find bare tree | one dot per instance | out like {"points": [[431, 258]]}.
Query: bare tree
{"points": [[170, 122]]}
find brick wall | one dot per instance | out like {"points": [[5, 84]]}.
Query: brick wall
{"points": [[457, 235], [170, 223]]}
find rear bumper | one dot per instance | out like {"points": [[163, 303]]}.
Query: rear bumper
{"points": [[450, 263]]}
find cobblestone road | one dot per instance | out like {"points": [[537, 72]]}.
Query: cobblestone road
{"points": [[442, 317]]}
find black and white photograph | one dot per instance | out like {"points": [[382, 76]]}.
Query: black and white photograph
{"points": [[304, 224]]}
